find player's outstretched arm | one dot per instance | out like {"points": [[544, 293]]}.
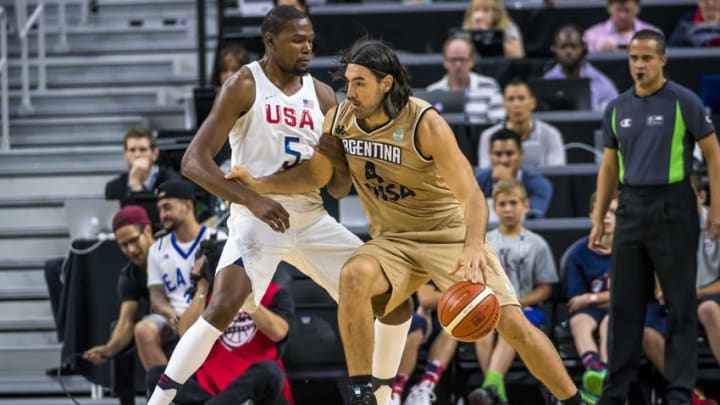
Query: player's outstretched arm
{"points": [[436, 140]]}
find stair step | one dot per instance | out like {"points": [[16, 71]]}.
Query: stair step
{"points": [[24, 263], [67, 125], [23, 293], [23, 360], [22, 278], [143, 79], [59, 186], [32, 217], [10, 340], [53, 246]]}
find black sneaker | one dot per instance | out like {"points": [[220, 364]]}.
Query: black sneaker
{"points": [[485, 396], [362, 395]]}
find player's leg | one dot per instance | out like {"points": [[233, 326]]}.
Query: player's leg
{"points": [[408, 361], [230, 289], [709, 315], [325, 246]]}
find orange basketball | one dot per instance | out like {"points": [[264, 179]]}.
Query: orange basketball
{"points": [[468, 311]]}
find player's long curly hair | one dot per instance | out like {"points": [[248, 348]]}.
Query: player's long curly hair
{"points": [[380, 59]]}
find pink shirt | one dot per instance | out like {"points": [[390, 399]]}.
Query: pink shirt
{"points": [[603, 32]]}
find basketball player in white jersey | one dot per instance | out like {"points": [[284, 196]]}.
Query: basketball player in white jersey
{"points": [[170, 261], [274, 114]]}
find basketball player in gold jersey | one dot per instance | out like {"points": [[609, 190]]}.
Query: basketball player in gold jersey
{"points": [[427, 215]]}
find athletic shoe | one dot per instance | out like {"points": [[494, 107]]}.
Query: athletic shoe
{"points": [[363, 396], [421, 394], [588, 398], [485, 396], [593, 380]]}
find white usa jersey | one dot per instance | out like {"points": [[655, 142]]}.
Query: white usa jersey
{"points": [[278, 132], [170, 263]]}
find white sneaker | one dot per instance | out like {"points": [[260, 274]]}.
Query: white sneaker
{"points": [[421, 394], [395, 399]]}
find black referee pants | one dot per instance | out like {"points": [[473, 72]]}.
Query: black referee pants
{"points": [[657, 231]]}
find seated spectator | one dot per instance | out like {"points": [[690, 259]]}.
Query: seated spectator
{"points": [[170, 261], [528, 261], [133, 233], [229, 59], [139, 184], [700, 27], [425, 331], [570, 52], [616, 31], [244, 365], [542, 142], [483, 15], [298, 4], [484, 100], [506, 157], [588, 297]]}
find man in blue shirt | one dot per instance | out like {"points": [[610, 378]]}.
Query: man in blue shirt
{"points": [[506, 155], [649, 135]]}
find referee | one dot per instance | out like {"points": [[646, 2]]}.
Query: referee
{"points": [[649, 135]]}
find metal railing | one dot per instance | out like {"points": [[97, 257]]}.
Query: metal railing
{"points": [[4, 114], [24, 25]]}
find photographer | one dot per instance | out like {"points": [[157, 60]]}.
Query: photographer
{"points": [[244, 365]]}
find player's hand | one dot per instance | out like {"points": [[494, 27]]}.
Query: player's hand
{"points": [[332, 148], [712, 225], [595, 241], [97, 355], [269, 211], [243, 176], [578, 302], [474, 265]]}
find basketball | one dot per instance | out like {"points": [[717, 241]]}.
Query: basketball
{"points": [[468, 311]]}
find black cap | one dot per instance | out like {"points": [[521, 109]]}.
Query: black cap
{"points": [[176, 188]]}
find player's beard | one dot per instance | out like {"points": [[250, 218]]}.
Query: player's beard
{"points": [[170, 224]]}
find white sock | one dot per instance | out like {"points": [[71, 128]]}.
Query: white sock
{"points": [[188, 356], [387, 353]]}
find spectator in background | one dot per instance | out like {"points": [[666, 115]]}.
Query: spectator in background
{"points": [[244, 365], [483, 15], [139, 184], [483, 98], [570, 52], [542, 142], [616, 31], [528, 262], [298, 4], [700, 27], [506, 157], [229, 59], [170, 261], [588, 298], [133, 233]]}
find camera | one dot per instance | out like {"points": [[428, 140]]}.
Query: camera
{"points": [[211, 249]]}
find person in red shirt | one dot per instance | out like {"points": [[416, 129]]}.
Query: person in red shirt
{"points": [[244, 365]]}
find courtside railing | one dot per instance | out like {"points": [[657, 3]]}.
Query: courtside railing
{"points": [[25, 24], [4, 114]]}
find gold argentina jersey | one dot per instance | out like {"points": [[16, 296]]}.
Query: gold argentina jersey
{"points": [[401, 191]]}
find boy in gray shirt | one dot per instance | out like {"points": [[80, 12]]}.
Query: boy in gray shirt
{"points": [[529, 264]]}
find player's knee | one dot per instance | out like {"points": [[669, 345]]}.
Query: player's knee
{"points": [[146, 331], [708, 312], [514, 327], [358, 275]]}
